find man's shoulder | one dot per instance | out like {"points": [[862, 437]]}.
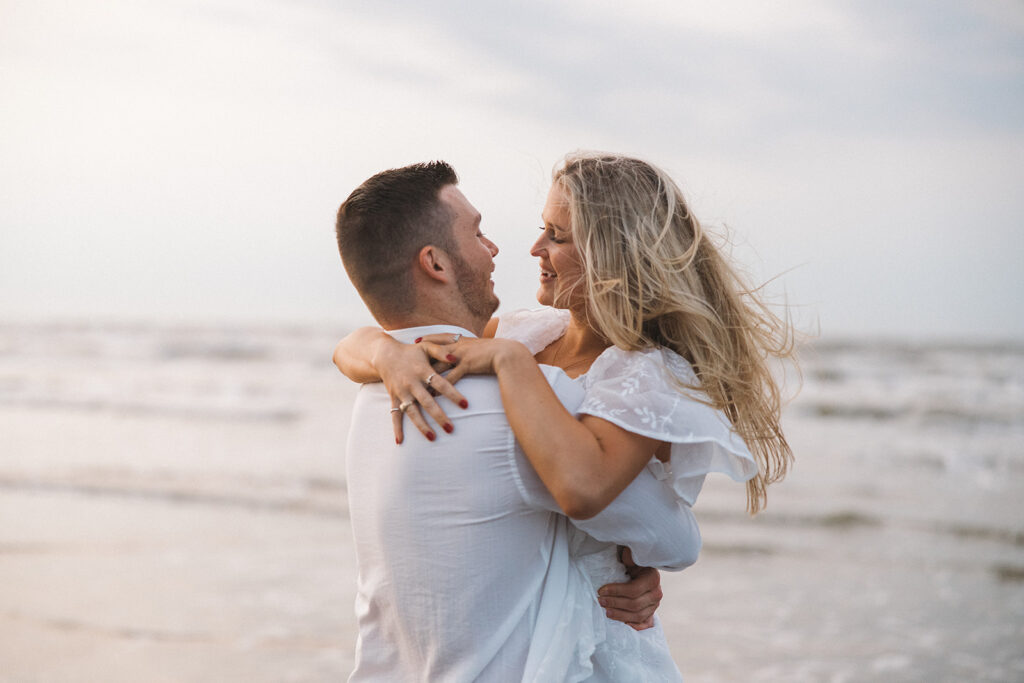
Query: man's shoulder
{"points": [[481, 391]]}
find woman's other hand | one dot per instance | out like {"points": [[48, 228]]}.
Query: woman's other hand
{"points": [[471, 355], [413, 380], [412, 374]]}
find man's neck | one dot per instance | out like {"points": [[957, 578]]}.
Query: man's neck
{"points": [[426, 319]]}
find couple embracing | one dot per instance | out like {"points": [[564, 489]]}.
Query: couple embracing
{"points": [[555, 454]]}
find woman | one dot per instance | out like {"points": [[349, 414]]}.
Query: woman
{"points": [[669, 345]]}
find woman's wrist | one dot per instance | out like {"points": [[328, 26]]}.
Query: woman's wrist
{"points": [[381, 351], [511, 356]]}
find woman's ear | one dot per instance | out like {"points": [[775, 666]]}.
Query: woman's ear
{"points": [[434, 263]]}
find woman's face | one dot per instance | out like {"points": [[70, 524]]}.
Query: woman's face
{"points": [[561, 271]]}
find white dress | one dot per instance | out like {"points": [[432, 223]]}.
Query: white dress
{"points": [[634, 390]]}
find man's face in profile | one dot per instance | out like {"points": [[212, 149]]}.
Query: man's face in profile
{"points": [[474, 260]]}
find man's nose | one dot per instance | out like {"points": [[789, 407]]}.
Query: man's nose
{"points": [[493, 247]]}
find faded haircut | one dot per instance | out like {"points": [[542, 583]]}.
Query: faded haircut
{"points": [[382, 226]]}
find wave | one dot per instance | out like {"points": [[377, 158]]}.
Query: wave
{"points": [[963, 416], [165, 343], [315, 497], [852, 520], [200, 412]]}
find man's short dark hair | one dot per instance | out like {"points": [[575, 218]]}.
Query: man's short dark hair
{"points": [[383, 225]]}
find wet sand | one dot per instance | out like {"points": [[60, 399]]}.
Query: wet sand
{"points": [[168, 545]]}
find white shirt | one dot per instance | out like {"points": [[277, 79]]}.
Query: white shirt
{"points": [[460, 547]]}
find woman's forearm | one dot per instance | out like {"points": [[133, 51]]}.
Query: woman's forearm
{"points": [[355, 355], [584, 464]]}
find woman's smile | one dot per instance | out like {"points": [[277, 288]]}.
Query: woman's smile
{"points": [[560, 268]]}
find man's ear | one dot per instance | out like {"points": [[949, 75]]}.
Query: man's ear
{"points": [[434, 263]]}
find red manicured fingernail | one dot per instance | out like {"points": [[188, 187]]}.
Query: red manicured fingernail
{"points": [[417, 340], [451, 359], [431, 436], [464, 403], [448, 427], [398, 441]]}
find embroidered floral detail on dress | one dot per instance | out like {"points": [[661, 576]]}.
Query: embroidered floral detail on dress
{"points": [[631, 385], [645, 392], [650, 420]]}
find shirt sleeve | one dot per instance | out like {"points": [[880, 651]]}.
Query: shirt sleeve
{"points": [[657, 526], [645, 392], [648, 516]]}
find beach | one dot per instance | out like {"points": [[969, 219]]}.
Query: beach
{"points": [[173, 508]]}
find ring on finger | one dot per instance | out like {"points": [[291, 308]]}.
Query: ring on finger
{"points": [[457, 336], [396, 410], [427, 380], [405, 405]]}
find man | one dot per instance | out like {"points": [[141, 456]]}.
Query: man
{"points": [[463, 555]]}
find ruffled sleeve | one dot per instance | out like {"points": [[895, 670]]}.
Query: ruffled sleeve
{"points": [[635, 390], [535, 328]]}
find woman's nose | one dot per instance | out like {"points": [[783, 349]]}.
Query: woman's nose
{"points": [[537, 247]]}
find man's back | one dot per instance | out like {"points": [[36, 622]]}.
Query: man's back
{"points": [[452, 557]]}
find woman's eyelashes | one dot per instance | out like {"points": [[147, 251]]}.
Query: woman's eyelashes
{"points": [[550, 234]]}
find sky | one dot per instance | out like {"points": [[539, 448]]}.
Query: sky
{"points": [[184, 160]]}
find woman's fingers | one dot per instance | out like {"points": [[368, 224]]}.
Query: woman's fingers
{"points": [[427, 404], [442, 384], [416, 417], [419, 402], [439, 352], [396, 420]]}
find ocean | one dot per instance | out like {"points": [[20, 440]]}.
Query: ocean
{"points": [[173, 507]]}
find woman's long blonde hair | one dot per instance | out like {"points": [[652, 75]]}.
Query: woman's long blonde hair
{"points": [[653, 277]]}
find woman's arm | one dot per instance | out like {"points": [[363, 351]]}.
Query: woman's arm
{"points": [[356, 355], [583, 463]]}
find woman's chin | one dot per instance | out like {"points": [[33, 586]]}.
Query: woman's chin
{"points": [[544, 297]]}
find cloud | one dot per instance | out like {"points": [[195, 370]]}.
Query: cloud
{"points": [[731, 70], [188, 157]]}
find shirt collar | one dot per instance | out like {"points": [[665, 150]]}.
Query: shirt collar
{"points": [[408, 335]]}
